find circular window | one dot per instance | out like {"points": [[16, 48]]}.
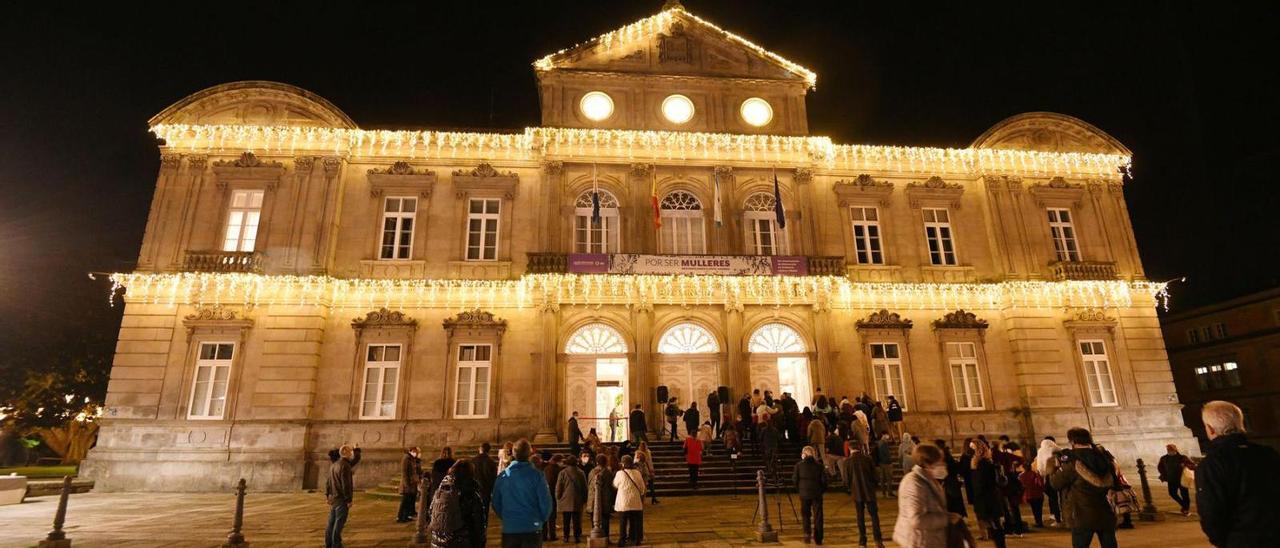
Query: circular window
{"points": [[596, 106], [677, 109], [756, 111]]}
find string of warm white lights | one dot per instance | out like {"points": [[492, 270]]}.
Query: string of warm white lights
{"points": [[661, 23], [532, 289], [536, 143]]}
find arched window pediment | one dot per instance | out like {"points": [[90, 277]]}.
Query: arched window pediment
{"points": [[688, 338], [596, 338], [680, 200], [776, 338], [760, 201]]}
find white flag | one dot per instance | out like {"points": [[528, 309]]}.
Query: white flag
{"points": [[718, 215]]}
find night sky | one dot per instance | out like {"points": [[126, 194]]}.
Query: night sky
{"points": [[1192, 88]]}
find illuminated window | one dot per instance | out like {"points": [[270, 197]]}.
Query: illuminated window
{"points": [[1218, 375], [687, 338], [1202, 377], [886, 365], [213, 373], [682, 225], [472, 396], [397, 227], [596, 106], [1097, 372], [598, 237], [381, 377], [242, 220], [764, 237], [866, 235], [937, 233], [756, 112], [775, 338], [596, 339], [963, 357], [1064, 235], [677, 109], [482, 230]]}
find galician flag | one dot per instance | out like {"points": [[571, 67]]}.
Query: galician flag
{"points": [[777, 203], [719, 215], [653, 198]]}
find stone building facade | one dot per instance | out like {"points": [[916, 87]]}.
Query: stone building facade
{"points": [[303, 282], [1225, 351]]}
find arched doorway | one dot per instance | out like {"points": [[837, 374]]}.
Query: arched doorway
{"points": [[688, 363], [596, 379], [779, 362]]}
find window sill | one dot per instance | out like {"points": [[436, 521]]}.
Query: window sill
{"points": [[948, 274], [393, 268]]}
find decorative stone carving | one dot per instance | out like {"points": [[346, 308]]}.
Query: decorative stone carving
{"points": [[1057, 191], [475, 319], [641, 170], [1047, 131], [248, 167], [211, 313], [303, 165], [485, 178], [674, 46], [485, 169], [247, 159], [884, 320], [934, 189], [1093, 315], [332, 164], [383, 317], [960, 319], [399, 168], [170, 160], [1090, 320], [803, 175], [401, 177], [552, 168], [215, 319], [863, 189], [197, 162]]}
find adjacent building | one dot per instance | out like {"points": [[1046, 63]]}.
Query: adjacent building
{"points": [[1225, 351], [671, 223]]}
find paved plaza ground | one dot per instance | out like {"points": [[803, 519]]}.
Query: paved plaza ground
{"points": [[298, 519]]}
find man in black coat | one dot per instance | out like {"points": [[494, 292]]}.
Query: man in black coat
{"points": [[811, 480], [713, 410], [672, 413], [692, 420], [639, 429], [575, 434], [744, 415], [1236, 483], [769, 439], [486, 470], [440, 469]]}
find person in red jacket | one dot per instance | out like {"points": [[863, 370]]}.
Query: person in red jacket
{"points": [[693, 457], [1033, 492]]}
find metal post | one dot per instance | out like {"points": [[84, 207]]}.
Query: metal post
{"points": [[1149, 511], [598, 538], [764, 532], [57, 538], [235, 537], [420, 537]]}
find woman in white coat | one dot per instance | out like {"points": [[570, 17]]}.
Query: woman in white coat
{"points": [[923, 518], [629, 502]]}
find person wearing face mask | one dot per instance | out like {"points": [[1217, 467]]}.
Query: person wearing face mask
{"points": [[923, 518], [988, 502]]}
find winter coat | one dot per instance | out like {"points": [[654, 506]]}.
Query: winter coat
{"points": [[1083, 483], [672, 412], [895, 411], [951, 487], [884, 453], [922, 512], [817, 434], [1170, 467], [637, 422], [706, 435], [713, 404], [440, 469], [744, 410], [571, 490], [1044, 455], [810, 478], [732, 443], [340, 486], [692, 451], [1032, 485], [986, 496], [475, 518], [608, 493], [905, 449], [879, 421], [486, 472], [521, 499], [1236, 485], [575, 433], [860, 477], [629, 489], [692, 418], [769, 438], [410, 474]]}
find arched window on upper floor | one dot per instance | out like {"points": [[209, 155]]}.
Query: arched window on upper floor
{"points": [[763, 235], [682, 231], [596, 235]]}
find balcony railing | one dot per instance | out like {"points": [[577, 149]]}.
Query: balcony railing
{"points": [[223, 261], [826, 266], [1083, 270], [558, 263]]}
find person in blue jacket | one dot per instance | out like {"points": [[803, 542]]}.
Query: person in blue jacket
{"points": [[522, 501]]}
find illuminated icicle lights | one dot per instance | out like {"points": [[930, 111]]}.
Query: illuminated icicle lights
{"points": [[534, 144], [661, 22], [256, 289]]}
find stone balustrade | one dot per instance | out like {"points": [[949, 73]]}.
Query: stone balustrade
{"points": [[223, 261], [1083, 270], [826, 266], [548, 263]]}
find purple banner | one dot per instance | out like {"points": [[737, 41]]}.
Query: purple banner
{"points": [[705, 265], [589, 263], [792, 265]]}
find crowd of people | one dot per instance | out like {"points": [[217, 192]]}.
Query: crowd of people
{"points": [[852, 444]]}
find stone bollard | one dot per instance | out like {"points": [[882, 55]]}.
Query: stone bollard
{"points": [[764, 532], [235, 537], [598, 538], [420, 537], [1149, 511], [57, 538]]}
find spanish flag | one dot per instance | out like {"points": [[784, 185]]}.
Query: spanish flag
{"points": [[653, 198]]}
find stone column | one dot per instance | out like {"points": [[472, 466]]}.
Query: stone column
{"points": [[824, 376], [643, 377], [736, 374], [645, 234], [548, 406], [806, 227]]}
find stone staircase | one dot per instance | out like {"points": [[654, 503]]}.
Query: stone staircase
{"points": [[718, 475]]}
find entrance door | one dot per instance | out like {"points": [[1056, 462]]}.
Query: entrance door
{"points": [[596, 379], [779, 362], [611, 397], [793, 377]]}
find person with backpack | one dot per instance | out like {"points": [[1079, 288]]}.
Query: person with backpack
{"points": [[410, 476], [894, 412], [1033, 492], [1083, 476], [521, 500], [672, 413], [987, 500], [459, 517], [339, 491], [629, 501], [571, 495], [600, 484]]}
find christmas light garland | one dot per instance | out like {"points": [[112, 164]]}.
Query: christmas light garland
{"points": [[537, 143], [533, 289]]}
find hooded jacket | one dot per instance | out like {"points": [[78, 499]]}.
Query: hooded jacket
{"points": [[521, 498], [1083, 480], [1236, 485]]}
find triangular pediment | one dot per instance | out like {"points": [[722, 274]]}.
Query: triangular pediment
{"points": [[676, 42]]}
